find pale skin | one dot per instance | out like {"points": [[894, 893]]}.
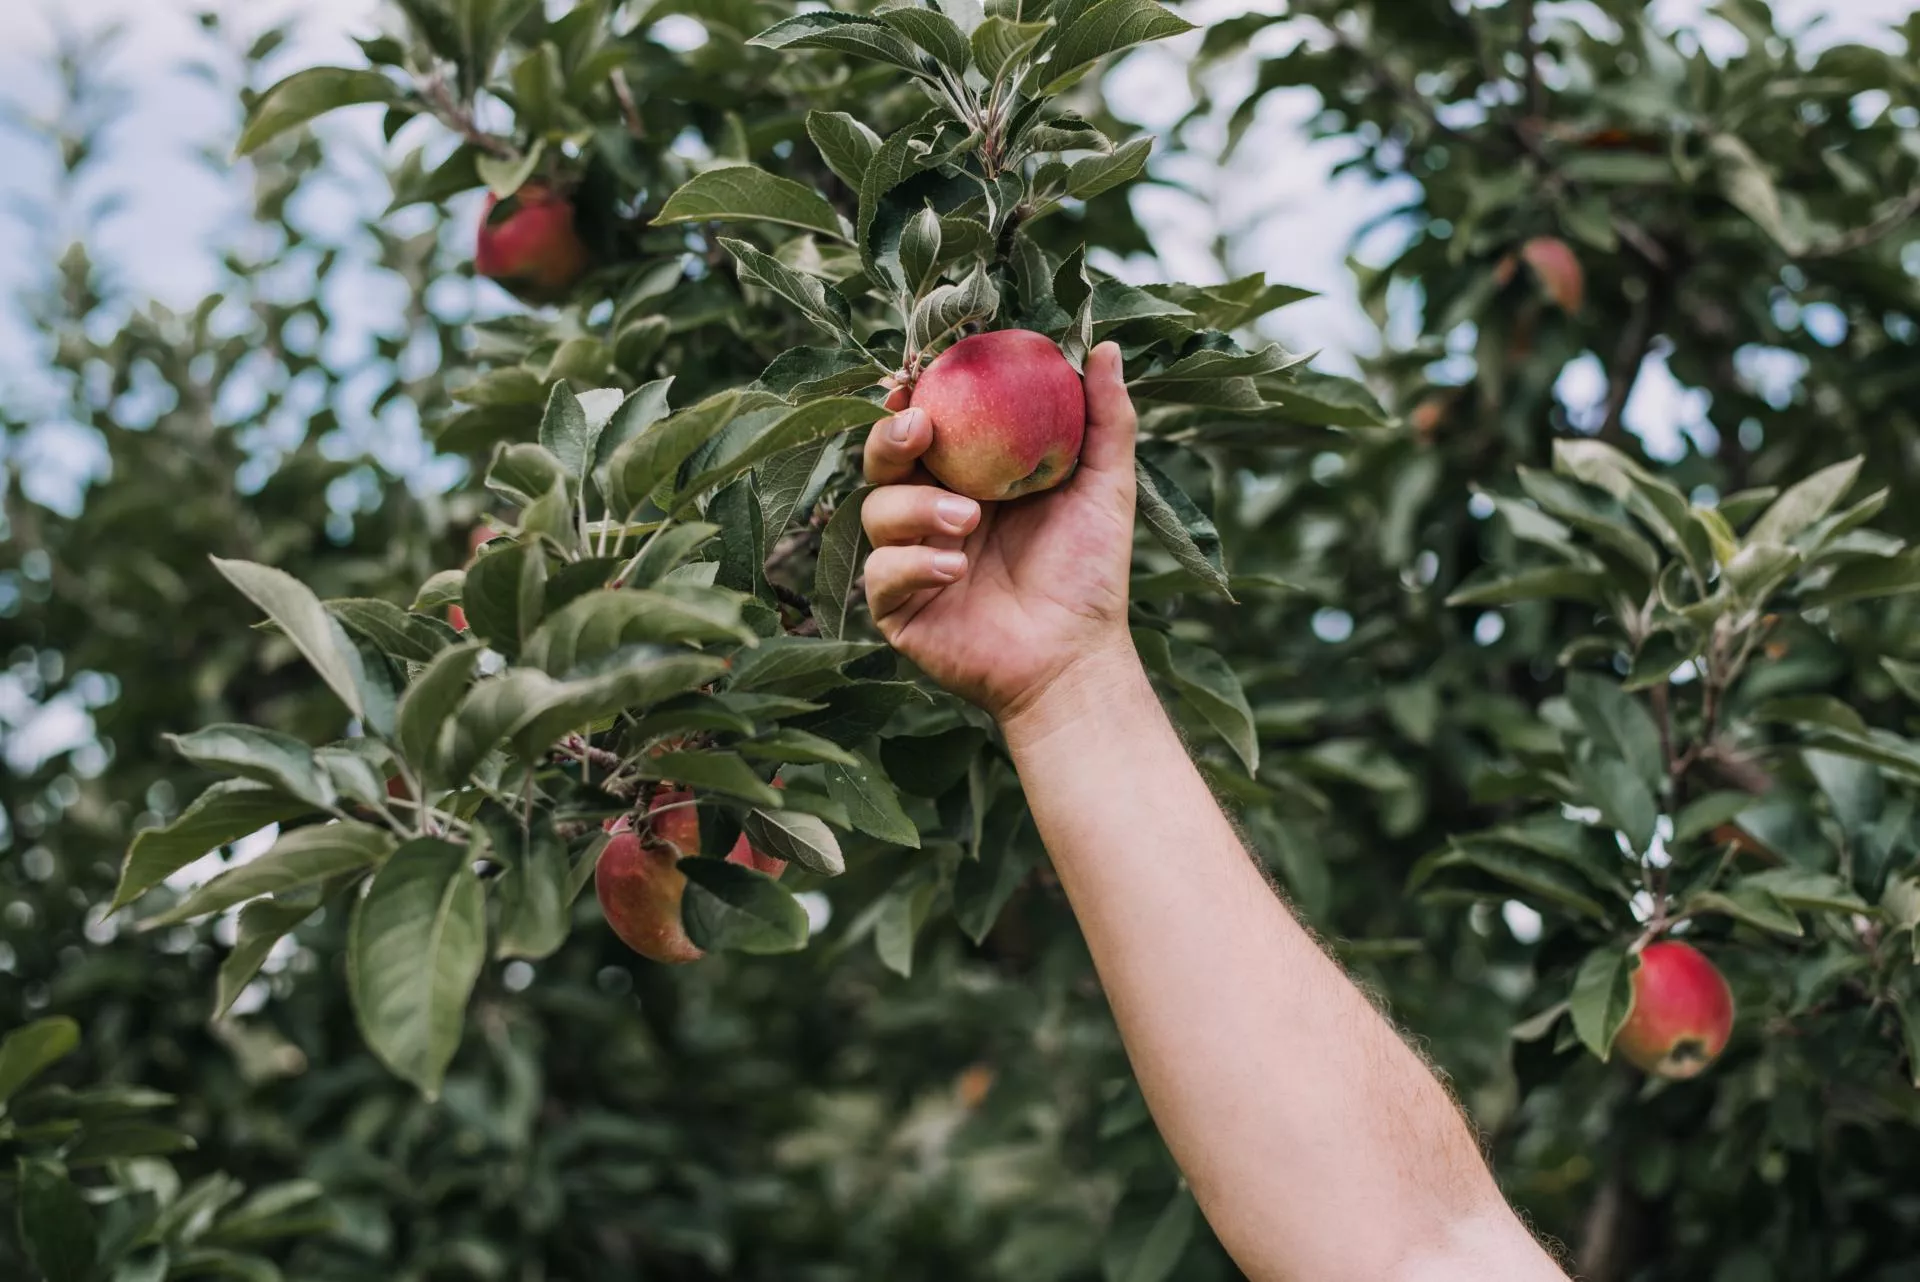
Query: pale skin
{"points": [[1319, 1147]]}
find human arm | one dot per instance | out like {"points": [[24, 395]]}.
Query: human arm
{"points": [[1317, 1144]]}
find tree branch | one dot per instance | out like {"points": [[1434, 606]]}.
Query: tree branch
{"points": [[1860, 237]]}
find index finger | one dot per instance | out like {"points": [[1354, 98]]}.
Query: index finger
{"points": [[895, 445]]}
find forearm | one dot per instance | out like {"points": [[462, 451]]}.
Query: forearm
{"points": [[1318, 1145]]}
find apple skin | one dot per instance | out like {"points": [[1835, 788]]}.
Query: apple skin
{"points": [[1008, 415], [1682, 1012], [1557, 270], [533, 249], [477, 538], [639, 886]]}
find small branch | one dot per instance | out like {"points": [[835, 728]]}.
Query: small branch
{"points": [[1628, 360], [1530, 54], [629, 110], [1861, 237], [459, 118]]}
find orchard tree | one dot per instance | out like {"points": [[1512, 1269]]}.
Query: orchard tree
{"points": [[1582, 742]]}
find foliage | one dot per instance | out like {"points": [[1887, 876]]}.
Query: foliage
{"points": [[1642, 683]]}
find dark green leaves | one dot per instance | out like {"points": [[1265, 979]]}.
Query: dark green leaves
{"points": [[744, 193], [28, 1051], [845, 144], [309, 93], [873, 804], [843, 547], [843, 32], [1602, 998], [1105, 28], [225, 812], [1180, 526], [417, 944], [729, 906], [301, 858], [56, 1225], [818, 301], [314, 632]]}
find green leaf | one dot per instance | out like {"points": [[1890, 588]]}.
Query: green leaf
{"points": [[788, 744], [790, 482], [1807, 890], [30, 1050], [416, 946], [873, 805], [309, 93], [1868, 577], [1105, 28], [1754, 905], [530, 710], [429, 700], [401, 634], [1602, 998], [1180, 526], [1001, 44], [1092, 175], [819, 301], [783, 658], [640, 410], [843, 548], [591, 627], [736, 193], [1619, 726], [56, 1225], [1621, 795], [844, 33], [845, 144], [811, 422], [1207, 683], [443, 587], [225, 812], [639, 465], [950, 307], [303, 857], [524, 472], [1905, 675], [1551, 582], [929, 765], [732, 907], [504, 595], [262, 924], [1148, 1236], [797, 838], [1001, 861], [1804, 504], [665, 551], [535, 904], [1748, 187], [306, 623], [723, 772], [266, 756], [565, 433], [932, 31], [1706, 813]]}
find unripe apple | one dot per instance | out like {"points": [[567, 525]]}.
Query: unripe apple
{"points": [[1008, 414], [1682, 1012], [532, 247]]}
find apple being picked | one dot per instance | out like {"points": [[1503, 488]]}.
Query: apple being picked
{"points": [[639, 883], [1682, 1012], [1008, 414], [528, 244]]}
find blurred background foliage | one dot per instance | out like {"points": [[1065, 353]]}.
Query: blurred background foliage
{"points": [[1724, 204]]}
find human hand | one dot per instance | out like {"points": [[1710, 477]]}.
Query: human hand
{"points": [[998, 601]]}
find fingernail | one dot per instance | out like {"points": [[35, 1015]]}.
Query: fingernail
{"points": [[954, 511], [900, 429], [949, 565]]}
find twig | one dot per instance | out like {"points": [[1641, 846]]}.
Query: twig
{"points": [[1628, 360], [1529, 53], [459, 118], [1860, 237], [629, 110]]}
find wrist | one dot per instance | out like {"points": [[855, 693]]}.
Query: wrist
{"points": [[1100, 682]]}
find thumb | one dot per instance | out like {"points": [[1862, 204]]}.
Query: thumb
{"points": [[1111, 422]]}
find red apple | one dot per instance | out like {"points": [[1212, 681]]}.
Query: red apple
{"points": [[1682, 1012], [477, 538], [640, 887], [1557, 270], [530, 245], [1008, 414]]}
